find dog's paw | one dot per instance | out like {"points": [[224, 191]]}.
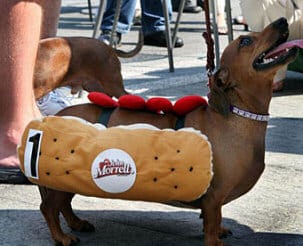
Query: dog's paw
{"points": [[67, 240], [83, 226]]}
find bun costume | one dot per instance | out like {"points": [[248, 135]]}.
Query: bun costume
{"points": [[136, 162]]}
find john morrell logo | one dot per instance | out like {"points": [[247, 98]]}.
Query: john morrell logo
{"points": [[113, 167], [114, 171]]}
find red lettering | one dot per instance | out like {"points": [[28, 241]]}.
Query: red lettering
{"points": [[113, 167]]}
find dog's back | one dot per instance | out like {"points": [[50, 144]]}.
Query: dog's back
{"points": [[80, 62]]}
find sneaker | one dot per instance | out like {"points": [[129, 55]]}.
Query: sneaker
{"points": [[53, 102], [105, 37], [200, 3], [137, 17], [189, 6], [12, 176]]}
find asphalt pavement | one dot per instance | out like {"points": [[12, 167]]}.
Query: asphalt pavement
{"points": [[271, 214]]}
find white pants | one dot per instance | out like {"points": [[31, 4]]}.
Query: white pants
{"points": [[260, 13]]}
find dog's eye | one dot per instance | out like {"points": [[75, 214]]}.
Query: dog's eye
{"points": [[245, 41]]}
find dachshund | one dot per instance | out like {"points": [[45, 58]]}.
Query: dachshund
{"points": [[235, 122], [80, 62]]}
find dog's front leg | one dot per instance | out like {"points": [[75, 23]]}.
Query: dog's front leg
{"points": [[50, 207], [73, 221], [211, 213]]}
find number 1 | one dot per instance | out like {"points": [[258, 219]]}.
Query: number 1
{"points": [[31, 154], [34, 155]]}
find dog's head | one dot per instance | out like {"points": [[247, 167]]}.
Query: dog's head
{"points": [[248, 66]]}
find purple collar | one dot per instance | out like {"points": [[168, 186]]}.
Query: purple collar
{"points": [[249, 115]]}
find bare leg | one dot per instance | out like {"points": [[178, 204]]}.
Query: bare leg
{"points": [[20, 26], [50, 18], [222, 27]]}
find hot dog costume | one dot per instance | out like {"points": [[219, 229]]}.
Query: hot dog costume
{"points": [[134, 163]]}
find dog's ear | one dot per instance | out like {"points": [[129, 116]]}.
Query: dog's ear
{"points": [[219, 84], [221, 78]]}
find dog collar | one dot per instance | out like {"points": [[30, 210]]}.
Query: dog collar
{"points": [[249, 115]]}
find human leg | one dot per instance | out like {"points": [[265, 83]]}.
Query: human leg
{"points": [[260, 13], [125, 19], [222, 27], [127, 13], [56, 100], [153, 23], [50, 18], [153, 17], [20, 26]]}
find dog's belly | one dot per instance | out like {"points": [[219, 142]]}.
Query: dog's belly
{"points": [[246, 183]]}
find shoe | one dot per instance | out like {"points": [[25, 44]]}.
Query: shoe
{"points": [[159, 39], [200, 3], [189, 7], [53, 102], [137, 21], [137, 18], [12, 176], [222, 30], [105, 37], [239, 20]]}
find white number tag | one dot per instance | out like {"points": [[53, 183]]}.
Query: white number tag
{"points": [[31, 155]]}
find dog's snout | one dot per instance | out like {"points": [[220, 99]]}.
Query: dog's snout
{"points": [[280, 23]]}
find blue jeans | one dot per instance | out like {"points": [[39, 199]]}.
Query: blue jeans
{"points": [[152, 16]]}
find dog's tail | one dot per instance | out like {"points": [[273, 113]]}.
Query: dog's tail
{"points": [[133, 52]]}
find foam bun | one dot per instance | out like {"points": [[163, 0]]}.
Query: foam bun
{"points": [[134, 163]]}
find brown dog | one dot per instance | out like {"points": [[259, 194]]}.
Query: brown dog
{"points": [[243, 81], [80, 62]]}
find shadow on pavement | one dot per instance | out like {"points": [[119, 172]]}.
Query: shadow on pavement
{"points": [[286, 129], [120, 227]]}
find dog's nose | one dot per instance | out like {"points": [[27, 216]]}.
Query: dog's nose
{"points": [[280, 23]]}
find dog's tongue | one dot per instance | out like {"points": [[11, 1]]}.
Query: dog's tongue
{"points": [[288, 45]]}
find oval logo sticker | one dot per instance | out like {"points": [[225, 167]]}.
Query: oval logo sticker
{"points": [[114, 171]]}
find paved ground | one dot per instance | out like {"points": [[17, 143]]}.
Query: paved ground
{"points": [[269, 215]]}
